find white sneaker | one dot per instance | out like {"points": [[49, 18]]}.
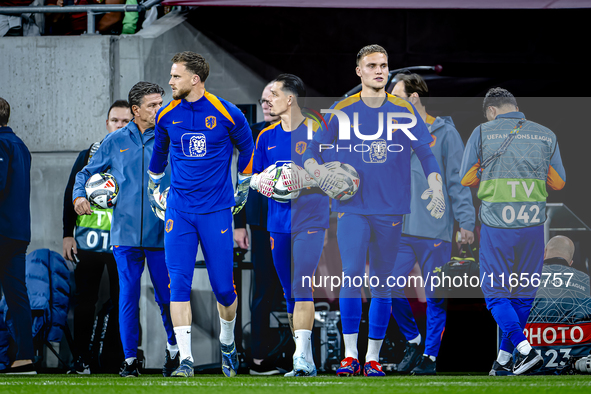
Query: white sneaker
{"points": [[290, 374], [303, 368], [527, 363]]}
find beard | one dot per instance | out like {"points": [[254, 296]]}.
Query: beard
{"points": [[180, 94]]}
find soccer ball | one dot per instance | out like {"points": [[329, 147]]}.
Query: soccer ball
{"points": [[348, 180], [280, 192], [102, 190]]}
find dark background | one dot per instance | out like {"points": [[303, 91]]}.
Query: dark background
{"points": [[532, 53]]}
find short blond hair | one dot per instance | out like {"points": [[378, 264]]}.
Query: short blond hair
{"points": [[368, 50]]}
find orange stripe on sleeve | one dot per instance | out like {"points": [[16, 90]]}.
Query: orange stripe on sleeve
{"points": [[554, 180], [345, 103], [219, 106], [168, 108], [471, 177], [248, 169], [401, 103], [262, 131]]}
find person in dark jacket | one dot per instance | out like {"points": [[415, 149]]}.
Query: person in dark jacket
{"points": [[15, 235], [137, 235], [89, 247]]}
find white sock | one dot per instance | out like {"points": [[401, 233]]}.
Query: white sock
{"points": [[227, 331], [130, 360], [373, 350], [351, 345], [172, 349], [433, 358], [303, 340], [524, 347], [416, 340], [503, 357], [183, 341]]}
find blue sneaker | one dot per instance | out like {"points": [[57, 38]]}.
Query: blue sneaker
{"points": [[349, 367], [303, 368], [229, 360], [185, 370], [373, 368]]}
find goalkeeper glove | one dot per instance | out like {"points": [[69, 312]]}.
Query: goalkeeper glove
{"points": [[241, 193], [296, 178], [435, 191], [264, 182], [154, 191], [327, 180]]}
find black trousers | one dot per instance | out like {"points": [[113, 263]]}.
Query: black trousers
{"points": [[267, 292], [12, 278], [88, 274]]}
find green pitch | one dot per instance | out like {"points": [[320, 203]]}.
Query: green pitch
{"points": [[327, 384]]}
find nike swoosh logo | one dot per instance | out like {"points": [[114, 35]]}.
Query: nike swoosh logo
{"points": [[312, 232], [517, 366], [395, 224], [123, 150], [180, 121], [436, 245], [223, 231], [271, 147]]}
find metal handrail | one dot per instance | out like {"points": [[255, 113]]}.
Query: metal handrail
{"points": [[91, 10]]}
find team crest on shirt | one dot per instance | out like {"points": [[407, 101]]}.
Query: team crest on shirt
{"points": [[376, 152], [432, 144], [300, 147], [210, 122], [169, 224], [194, 144]]}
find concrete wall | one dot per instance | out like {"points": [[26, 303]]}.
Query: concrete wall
{"points": [[60, 89], [147, 55]]}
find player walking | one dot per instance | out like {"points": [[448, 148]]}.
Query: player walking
{"points": [[297, 228], [200, 130], [370, 220]]}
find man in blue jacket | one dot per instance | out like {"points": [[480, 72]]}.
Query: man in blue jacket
{"points": [[424, 238], [136, 233], [15, 235], [511, 160], [91, 257]]}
